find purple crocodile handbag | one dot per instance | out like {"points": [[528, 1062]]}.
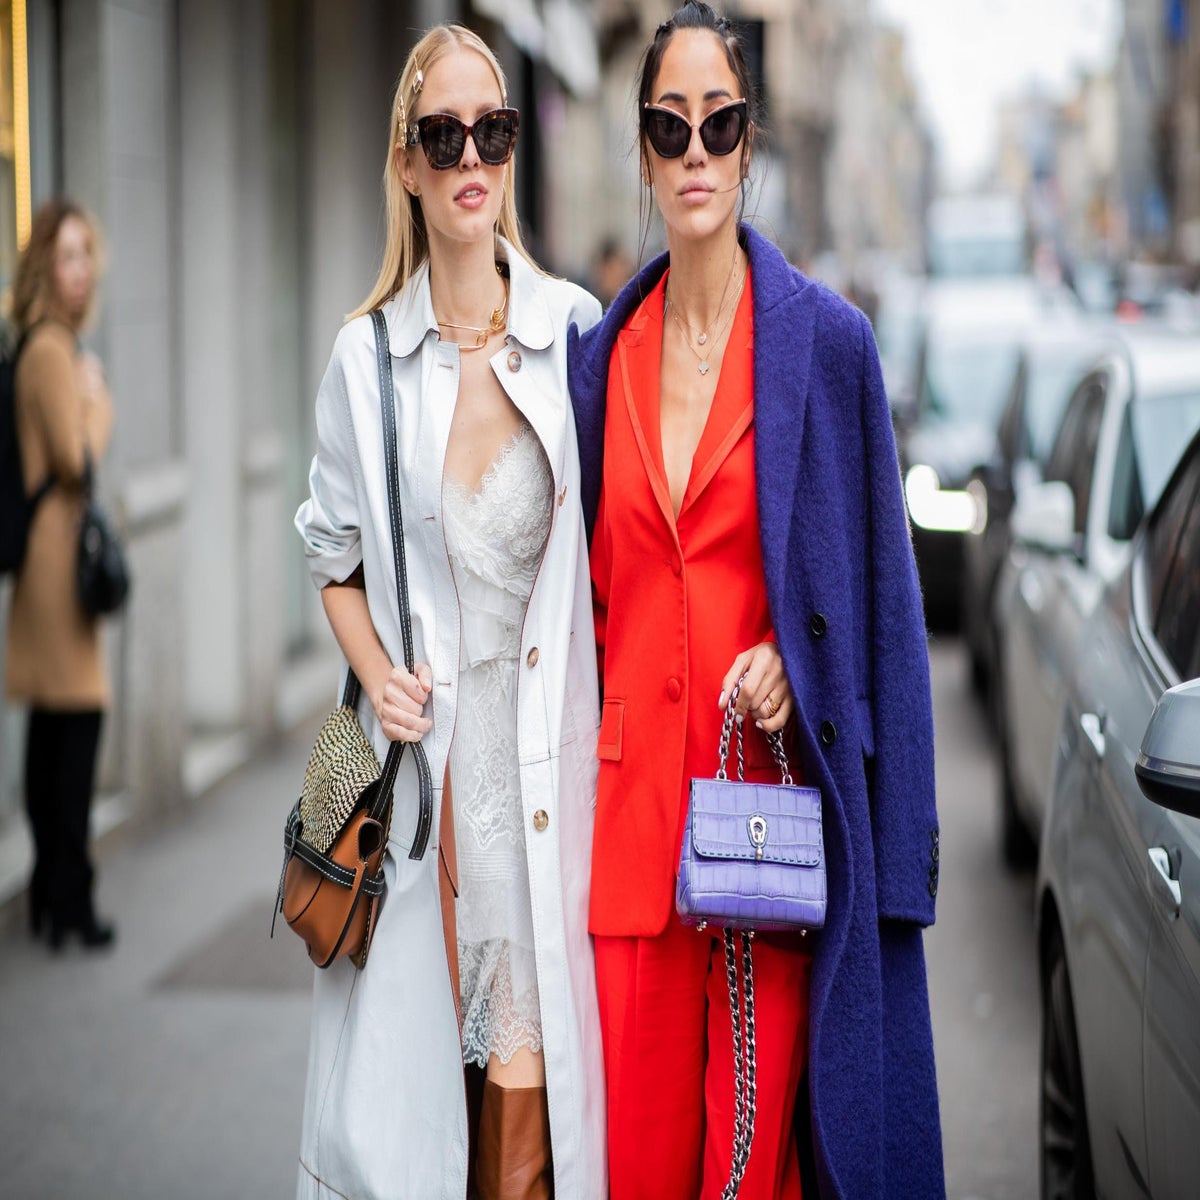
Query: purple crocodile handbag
{"points": [[752, 859]]}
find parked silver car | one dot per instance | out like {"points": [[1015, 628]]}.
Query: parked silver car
{"points": [[1124, 429], [1119, 886], [1053, 358], [968, 354]]}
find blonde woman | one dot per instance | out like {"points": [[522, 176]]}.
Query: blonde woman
{"points": [[53, 661], [504, 693]]}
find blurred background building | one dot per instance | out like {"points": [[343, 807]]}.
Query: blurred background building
{"points": [[233, 149]]}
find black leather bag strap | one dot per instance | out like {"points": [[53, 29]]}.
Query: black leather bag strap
{"points": [[391, 764]]}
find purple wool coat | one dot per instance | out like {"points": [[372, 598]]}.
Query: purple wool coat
{"points": [[846, 606]]}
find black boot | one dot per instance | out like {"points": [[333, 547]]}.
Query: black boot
{"points": [[93, 934]]}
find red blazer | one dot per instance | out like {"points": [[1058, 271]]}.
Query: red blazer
{"points": [[676, 600]]}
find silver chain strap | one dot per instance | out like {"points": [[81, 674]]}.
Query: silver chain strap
{"points": [[741, 1001], [774, 740], [740, 1117], [745, 1059]]}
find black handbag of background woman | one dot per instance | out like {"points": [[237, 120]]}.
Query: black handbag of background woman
{"points": [[101, 571]]}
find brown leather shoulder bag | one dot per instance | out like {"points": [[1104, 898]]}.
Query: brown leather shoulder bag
{"points": [[335, 837]]}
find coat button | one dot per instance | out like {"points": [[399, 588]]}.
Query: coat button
{"points": [[532, 659], [935, 854], [933, 836], [674, 688], [540, 820], [817, 625], [514, 360], [828, 732], [933, 888]]}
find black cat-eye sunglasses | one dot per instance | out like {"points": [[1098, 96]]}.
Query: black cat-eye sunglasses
{"points": [[669, 132]]}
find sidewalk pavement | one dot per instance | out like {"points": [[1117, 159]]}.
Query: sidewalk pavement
{"points": [[172, 1066]]}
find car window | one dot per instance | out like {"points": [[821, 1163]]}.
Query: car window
{"points": [[1163, 424], [1172, 560], [1126, 507], [967, 379], [1073, 457], [1011, 436], [1177, 627], [1051, 378]]}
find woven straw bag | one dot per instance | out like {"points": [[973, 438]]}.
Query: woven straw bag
{"points": [[343, 764]]}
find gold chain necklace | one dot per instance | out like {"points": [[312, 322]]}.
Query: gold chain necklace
{"points": [[495, 324], [702, 359]]}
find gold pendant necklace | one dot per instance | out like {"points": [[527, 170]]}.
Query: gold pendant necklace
{"points": [[701, 335], [718, 332]]}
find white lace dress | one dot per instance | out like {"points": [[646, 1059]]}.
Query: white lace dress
{"points": [[496, 536]]}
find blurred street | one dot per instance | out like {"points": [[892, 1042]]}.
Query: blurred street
{"points": [[174, 1067], [1010, 193]]}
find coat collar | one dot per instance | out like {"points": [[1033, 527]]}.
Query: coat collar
{"points": [[774, 281], [410, 317], [785, 309]]}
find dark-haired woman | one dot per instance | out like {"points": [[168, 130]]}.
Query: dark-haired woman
{"points": [[740, 483], [53, 661]]}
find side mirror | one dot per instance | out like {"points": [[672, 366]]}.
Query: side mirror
{"points": [[1168, 765], [1044, 517]]}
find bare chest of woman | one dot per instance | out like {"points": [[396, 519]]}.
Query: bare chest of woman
{"points": [[685, 399], [485, 421]]}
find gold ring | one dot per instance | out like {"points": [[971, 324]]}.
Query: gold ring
{"points": [[771, 707]]}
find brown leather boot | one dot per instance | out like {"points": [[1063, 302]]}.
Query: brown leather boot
{"points": [[512, 1156]]}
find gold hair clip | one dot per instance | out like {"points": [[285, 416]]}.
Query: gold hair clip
{"points": [[418, 82]]}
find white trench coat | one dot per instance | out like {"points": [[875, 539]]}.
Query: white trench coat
{"points": [[385, 1109]]}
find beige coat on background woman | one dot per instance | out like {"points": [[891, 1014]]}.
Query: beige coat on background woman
{"points": [[54, 658], [53, 661]]}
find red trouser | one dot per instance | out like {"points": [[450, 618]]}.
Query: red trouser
{"points": [[668, 1053]]}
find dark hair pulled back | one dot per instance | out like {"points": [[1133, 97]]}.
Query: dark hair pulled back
{"points": [[695, 14]]}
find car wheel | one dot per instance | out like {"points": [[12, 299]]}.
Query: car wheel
{"points": [[1017, 845], [1066, 1154]]}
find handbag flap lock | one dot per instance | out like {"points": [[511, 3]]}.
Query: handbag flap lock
{"points": [[767, 823]]}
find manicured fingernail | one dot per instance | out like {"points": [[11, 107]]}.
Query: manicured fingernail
{"points": [[741, 718], [757, 724], [721, 700]]}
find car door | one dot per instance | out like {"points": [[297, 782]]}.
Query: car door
{"points": [[1051, 592], [1172, 1003], [1097, 835]]}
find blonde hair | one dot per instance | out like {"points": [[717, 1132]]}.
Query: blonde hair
{"points": [[407, 243], [34, 297]]}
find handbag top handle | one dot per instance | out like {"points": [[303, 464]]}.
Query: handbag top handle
{"points": [[774, 740], [353, 689]]}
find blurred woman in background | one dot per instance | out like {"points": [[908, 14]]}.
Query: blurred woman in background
{"points": [[53, 660]]}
